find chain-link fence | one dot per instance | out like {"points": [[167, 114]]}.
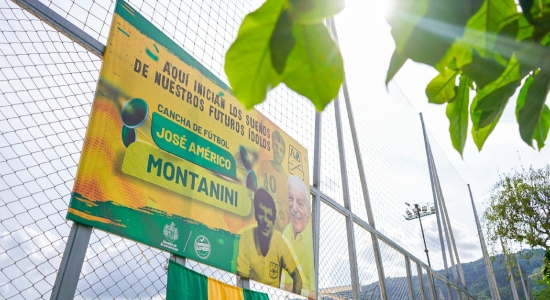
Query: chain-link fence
{"points": [[367, 249]]}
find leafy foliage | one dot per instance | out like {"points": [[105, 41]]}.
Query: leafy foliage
{"points": [[546, 267], [248, 61], [457, 112], [543, 294], [541, 276], [490, 46], [286, 41], [519, 206], [495, 43]]}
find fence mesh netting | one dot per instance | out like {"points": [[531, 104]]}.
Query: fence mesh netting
{"points": [[47, 84]]}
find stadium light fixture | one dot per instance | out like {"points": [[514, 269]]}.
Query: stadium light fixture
{"points": [[417, 211]]}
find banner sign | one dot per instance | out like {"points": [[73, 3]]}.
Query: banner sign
{"points": [[172, 160]]}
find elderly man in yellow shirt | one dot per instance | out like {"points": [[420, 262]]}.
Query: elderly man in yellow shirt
{"points": [[263, 253], [299, 236]]}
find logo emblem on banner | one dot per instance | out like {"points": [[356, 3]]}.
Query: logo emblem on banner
{"points": [[170, 232], [295, 162], [202, 247], [273, 270]]}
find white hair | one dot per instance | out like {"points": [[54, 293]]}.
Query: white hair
{"points": [[302, 185]]}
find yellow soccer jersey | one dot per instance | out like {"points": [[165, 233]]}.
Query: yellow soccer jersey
{"points": [[274, 182], [252, 264], [302, 249]]}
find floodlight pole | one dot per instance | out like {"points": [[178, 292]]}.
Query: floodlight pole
{"points": [[423, 237]]}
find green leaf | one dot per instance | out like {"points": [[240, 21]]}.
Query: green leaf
{"points": [[314, 68], [526, 9], [506, 41], [456, 56], [525, 29], [541, 131], [490, 101], [530, 104], [483, 70], [481, 135], [482, 28], [457, 113], [314, 11], [424, 30], [282, 41], [404, 18], [494, 103], [396, 62], [442, 88], [480, 32], [248, 61], [523, 92]]}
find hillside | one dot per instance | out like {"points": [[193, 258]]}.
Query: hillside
{"points": [[474, 273], [477, 282]]}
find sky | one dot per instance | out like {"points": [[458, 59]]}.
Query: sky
{"points": [[366, 43], [503, 151], [397, 153]]}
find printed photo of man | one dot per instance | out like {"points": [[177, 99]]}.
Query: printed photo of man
{"points": [[263, 253], [299, 235], [272, 177]]}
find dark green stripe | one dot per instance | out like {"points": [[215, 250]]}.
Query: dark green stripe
{"points": [[125, 33], [149, 30], [184, 283], [145, 225], [253, 295], [151, 54]]}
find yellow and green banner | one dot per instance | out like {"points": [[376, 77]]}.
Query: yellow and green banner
{"points": [[172, 160], [184, 283]]}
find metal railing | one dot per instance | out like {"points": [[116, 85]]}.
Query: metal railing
{"points": [[371, 154]]}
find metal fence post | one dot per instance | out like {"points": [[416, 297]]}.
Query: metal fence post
{"points": [[316, 239], [61, 24], [493, 288], [409, 277], [446, 229], [509, 270], [178, 259], [448, 221], [525, 291], [421, 281], [430, 169], [243, 282], [317, 200], [431, 284], [356, 286], [71, 263], [364, 187]]}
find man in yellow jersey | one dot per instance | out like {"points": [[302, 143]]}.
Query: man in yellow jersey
{"points": [[272, 177], [263, 253], [299, 235]]}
